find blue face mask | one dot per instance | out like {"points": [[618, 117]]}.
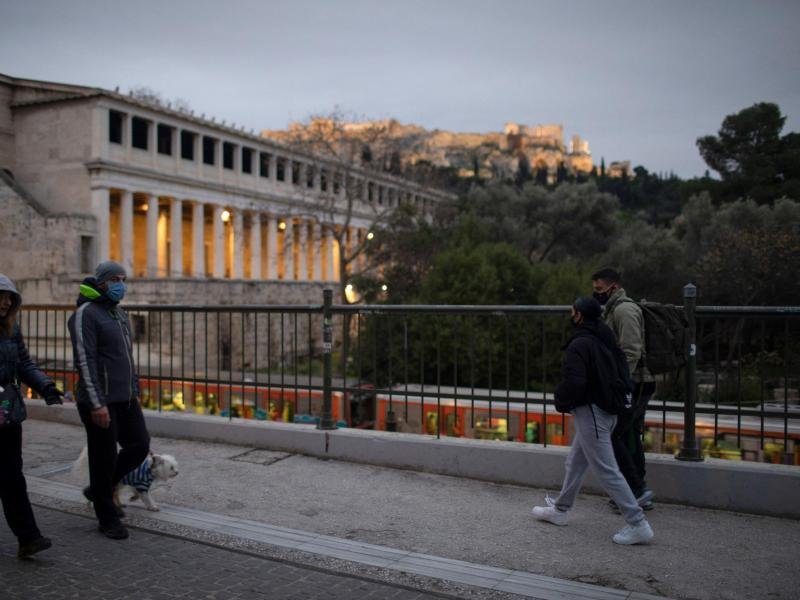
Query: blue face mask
{"points": [[116, 290]]}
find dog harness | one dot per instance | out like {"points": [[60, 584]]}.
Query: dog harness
{"points": [[141, 478]]}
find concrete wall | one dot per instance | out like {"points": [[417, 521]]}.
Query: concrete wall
{"points": [[728, 485], [38, 245], [53, 143]]}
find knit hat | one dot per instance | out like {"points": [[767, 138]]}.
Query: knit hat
{"points": [[589, 308], [108, 269]]}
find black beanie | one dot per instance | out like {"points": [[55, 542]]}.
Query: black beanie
{"points": [[589, 308]]}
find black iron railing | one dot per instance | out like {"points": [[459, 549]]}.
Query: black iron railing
{"points": [[474, 371]]}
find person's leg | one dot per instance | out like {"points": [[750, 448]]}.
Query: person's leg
{"points": [[102, 446], [13, 489], [600, 456], [133, 437], [575, 468], [622, 453], [645, 391]]}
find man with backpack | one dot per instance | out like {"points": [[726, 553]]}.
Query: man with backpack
{"points": [[594, 388], [626, 320]]}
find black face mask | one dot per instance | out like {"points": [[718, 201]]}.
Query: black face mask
{"points": [[602, 297]]}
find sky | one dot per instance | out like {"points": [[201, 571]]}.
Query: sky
{"points": [[641, 80]]}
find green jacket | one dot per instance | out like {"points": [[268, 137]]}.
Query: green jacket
{"points": [[625, 319]]}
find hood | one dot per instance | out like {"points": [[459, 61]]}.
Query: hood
{"points": [[6, 285], [89, 292], [595, 328]]}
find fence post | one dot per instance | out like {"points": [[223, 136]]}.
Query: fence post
{"points": [[326, 420], [689, 449]]}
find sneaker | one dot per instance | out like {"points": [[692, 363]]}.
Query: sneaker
{"points": [[87, 493], [644, 500], [550, 514], [32, 547], [115, 531], [634, 534]]}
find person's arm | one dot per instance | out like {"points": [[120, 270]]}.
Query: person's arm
{"points": [[571, 390], [85, 344], [31, 375], [630, 332]]}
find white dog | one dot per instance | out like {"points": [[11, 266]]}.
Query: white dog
{"points": [[154, 470]]}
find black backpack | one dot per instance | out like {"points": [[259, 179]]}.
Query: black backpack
{"points": [[612, 378], [664, 337]]}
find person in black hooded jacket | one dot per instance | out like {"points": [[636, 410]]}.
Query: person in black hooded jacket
{"points": [[16, 365], [578, 392], [108, 391]]}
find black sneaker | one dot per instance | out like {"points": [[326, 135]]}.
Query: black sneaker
{"points": [[30, 548], [87, 493], [115, 531]]}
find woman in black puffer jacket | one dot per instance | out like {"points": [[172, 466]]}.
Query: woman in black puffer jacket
{"points": [[15, 366]]}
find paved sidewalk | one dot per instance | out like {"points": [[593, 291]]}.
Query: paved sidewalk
{"points": [[696, 554], [153, 566]]}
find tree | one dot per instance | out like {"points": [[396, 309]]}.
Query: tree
{"points": [[751, 157], [341, 154]]}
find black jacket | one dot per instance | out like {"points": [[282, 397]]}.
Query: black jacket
{"points": [[15, 362], [103, 350], [578, 384]]}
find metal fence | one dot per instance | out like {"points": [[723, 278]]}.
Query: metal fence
{"points": [[473, 371]]}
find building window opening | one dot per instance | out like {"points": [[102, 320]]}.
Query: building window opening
{"points": [[310, 176], [337, 183], [296, 173], [323, 180], [86, 259], [263, 164], [140, 129], [187, 145], [164, 138], [116, 120], [227, 155], [209, 150], [247, 160], [280, 169]]}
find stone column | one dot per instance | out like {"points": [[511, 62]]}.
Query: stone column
{"points": [[255, 246], [126, 230], [275, 249], [288, 250], [152, 235], [101, 212], [273, 166], [198, 241], [219, 242], [238, 245], [302, 250], [176, 238], [317, 178], [333, 263], [317, 240], [365, 191]]}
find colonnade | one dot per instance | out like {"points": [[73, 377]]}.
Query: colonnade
{"points": [[156, 235]]}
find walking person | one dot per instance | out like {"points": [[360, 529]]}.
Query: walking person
{"points": [[579, 392], [625, 319], [108, 391], [16, 365]]}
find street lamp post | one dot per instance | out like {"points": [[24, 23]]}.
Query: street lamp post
{"points": [[689, 449]]}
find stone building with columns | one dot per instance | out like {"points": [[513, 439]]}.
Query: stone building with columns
{"points": [[196, 210]]}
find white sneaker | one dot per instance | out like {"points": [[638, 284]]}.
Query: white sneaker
{"points": [[550, 514], [634, 534]]}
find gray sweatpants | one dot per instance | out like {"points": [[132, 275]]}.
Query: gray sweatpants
{"points": [[594, 451]]}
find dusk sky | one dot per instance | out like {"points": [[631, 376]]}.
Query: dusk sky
{"points": [[641, 80]]}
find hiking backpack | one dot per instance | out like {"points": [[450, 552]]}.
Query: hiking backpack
{"points": [[664, 337], [612, 378]]}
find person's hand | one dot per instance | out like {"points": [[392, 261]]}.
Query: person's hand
{"points": [[100, 417], [53, 395]]}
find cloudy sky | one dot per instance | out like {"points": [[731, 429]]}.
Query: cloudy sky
{"points": [[639, 79]]}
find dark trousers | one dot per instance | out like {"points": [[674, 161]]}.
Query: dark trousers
{"points": [[107, 466], [13, 490], [627, 439]]}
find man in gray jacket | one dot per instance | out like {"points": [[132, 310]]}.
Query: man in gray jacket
{"points": [[108, 391], [625, 319]]}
